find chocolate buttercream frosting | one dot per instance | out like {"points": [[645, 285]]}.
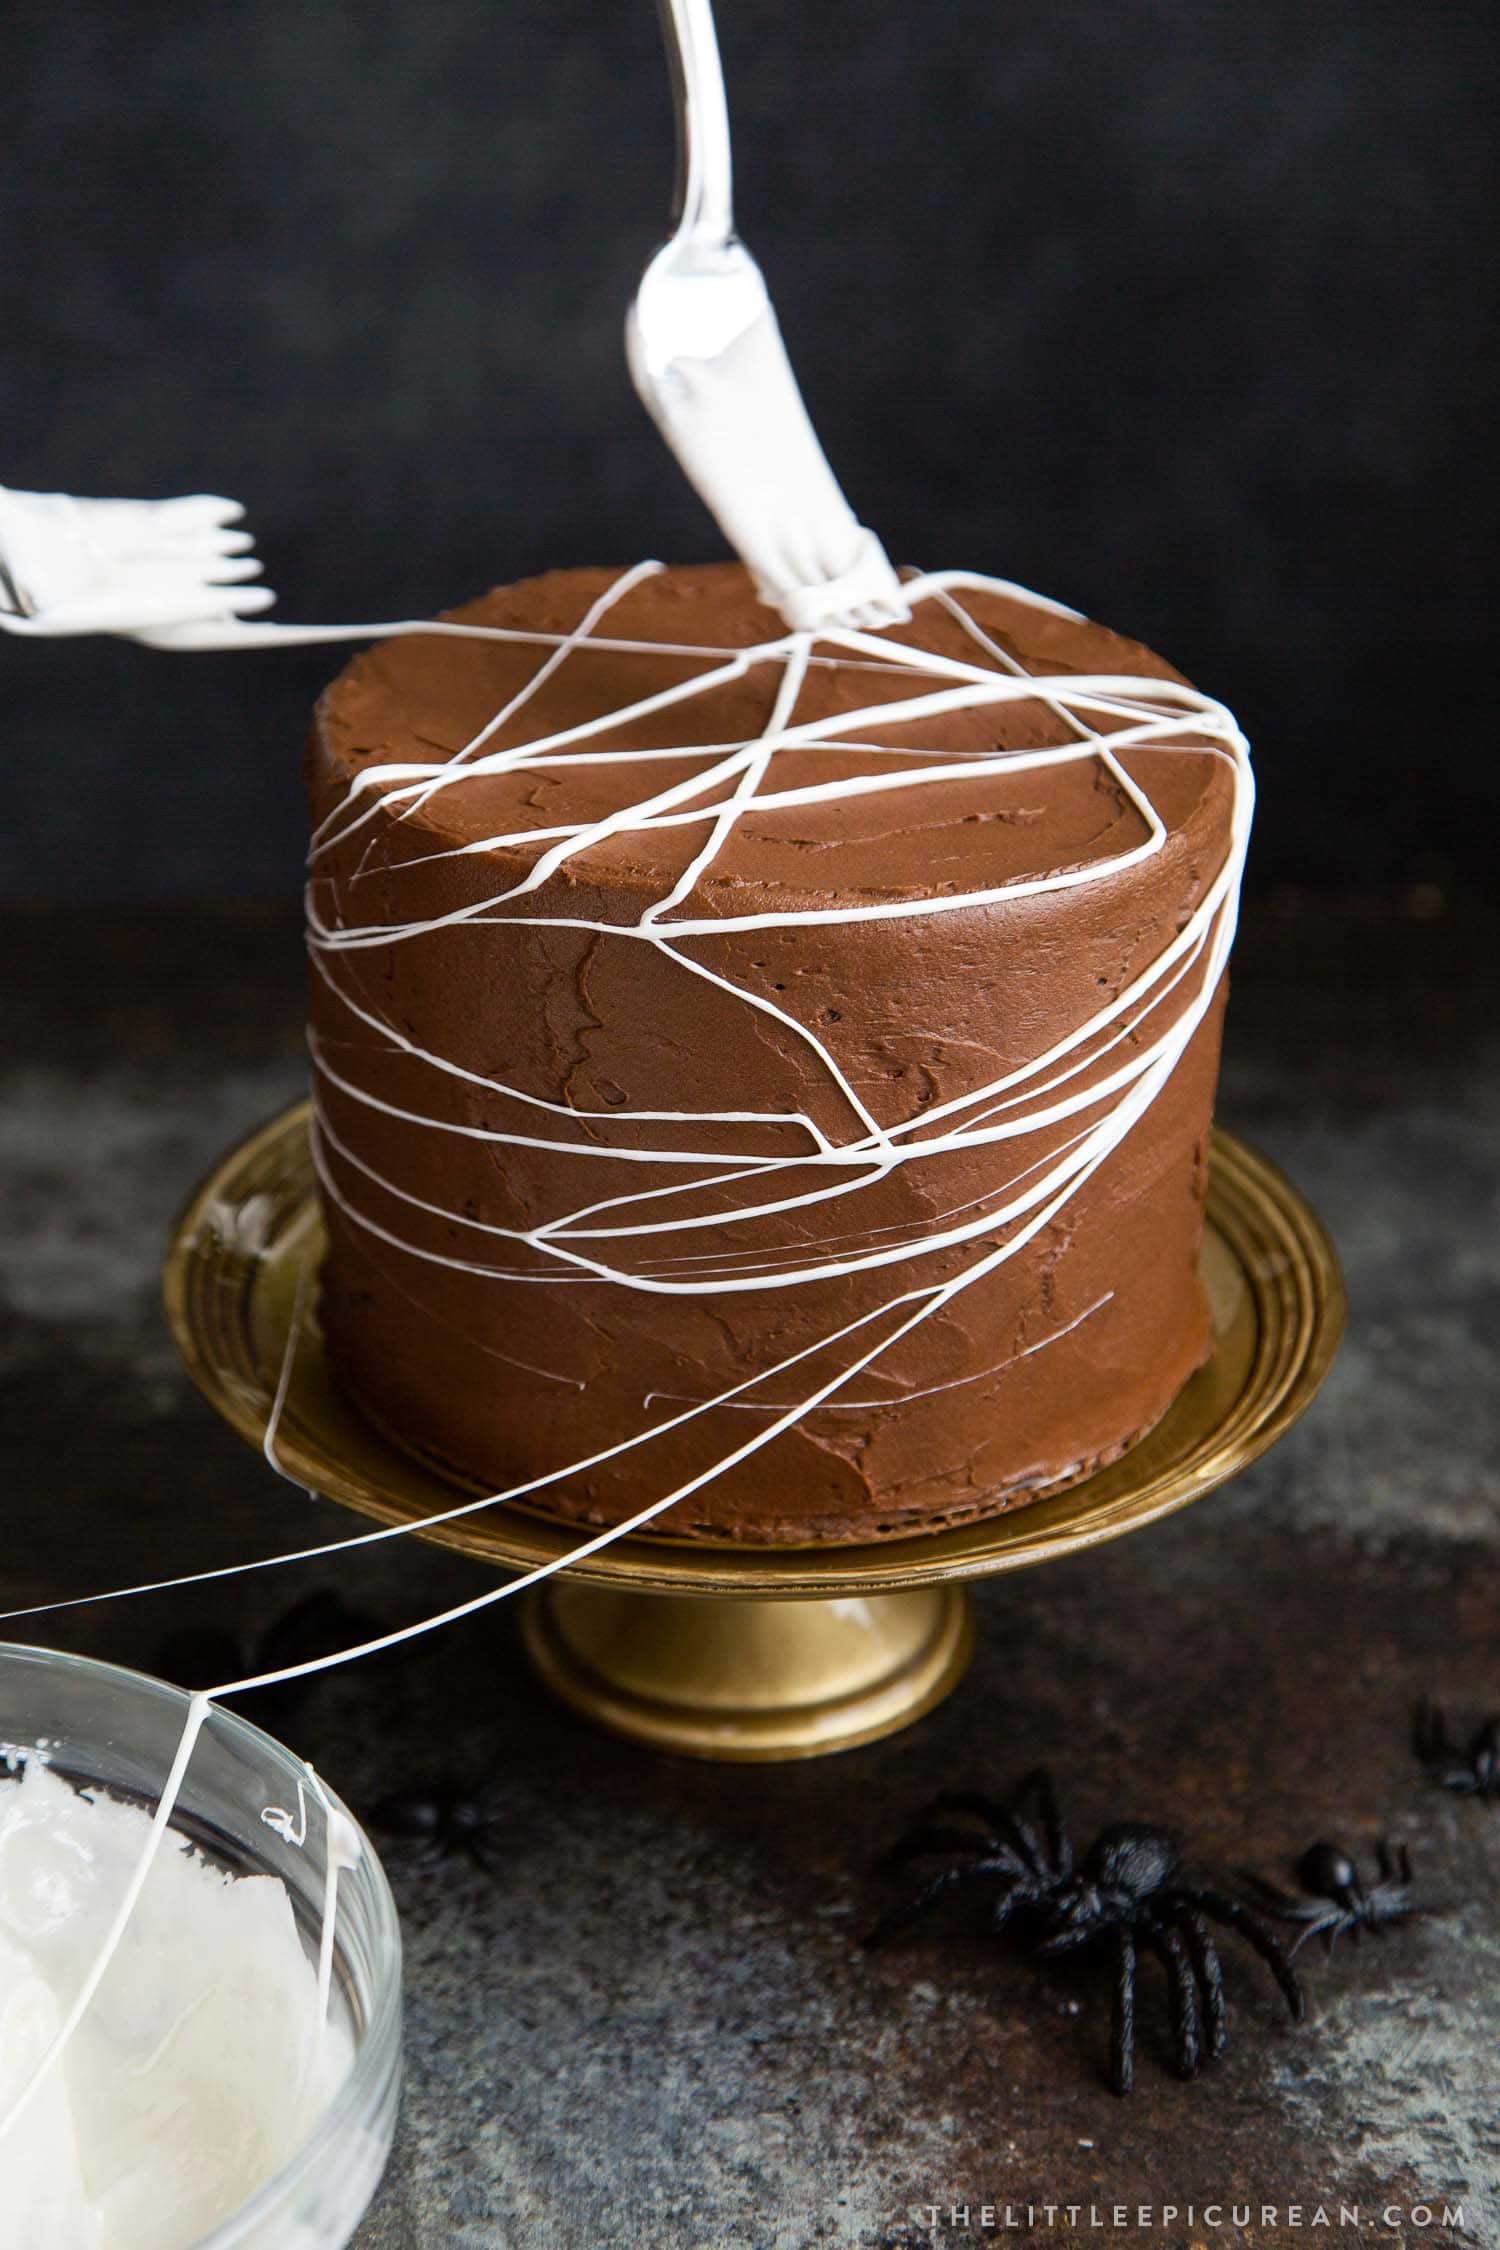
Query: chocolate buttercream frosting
{"points": [[810, 1122]]}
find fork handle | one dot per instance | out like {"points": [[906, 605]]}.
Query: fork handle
{"points": [[704, 201]]}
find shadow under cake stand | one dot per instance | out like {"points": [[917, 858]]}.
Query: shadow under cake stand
{"points": [[744, 1652]]}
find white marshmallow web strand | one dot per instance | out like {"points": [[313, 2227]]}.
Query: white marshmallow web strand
{"points": [[1143, 712], [1138, 712]]}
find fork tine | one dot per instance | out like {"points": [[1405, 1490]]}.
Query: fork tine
{"points": [[229, 570], [179, 542], [199, 508]]}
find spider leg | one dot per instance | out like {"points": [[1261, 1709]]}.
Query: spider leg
{"points": [[1403, 1862], [1286, 1908], [1323, 1922], [1438, 1750], [479, 1852], [1273, 1900], [1481, 1769], [1122, 2019], [919, 1841], [1005, 1826], [1429, 1733], [1172, 1954], [993, 1811], [942, 1886], [1238, 1918], [427, 1851], [1389, 1903], [1037, 1788], [1210, 1975]]}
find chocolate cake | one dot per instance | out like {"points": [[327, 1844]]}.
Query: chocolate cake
{"points": [[836, 1161]]}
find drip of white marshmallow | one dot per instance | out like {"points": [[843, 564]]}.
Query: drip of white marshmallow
{"points": [[1099, 717]]}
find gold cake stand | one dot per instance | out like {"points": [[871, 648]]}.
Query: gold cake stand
{"points": [[745, 1652]]}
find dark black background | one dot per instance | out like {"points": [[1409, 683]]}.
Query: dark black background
{"points": [[1182, 312]]}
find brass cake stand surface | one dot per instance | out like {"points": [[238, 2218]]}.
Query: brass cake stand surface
{"points": [[745, 1652]]}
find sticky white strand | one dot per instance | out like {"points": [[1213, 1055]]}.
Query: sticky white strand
{"points": [[406, 1046], [432, 1522], [1191, 941], [1138, 713], [284, 1378], [290, 1827], [928, 1390], [931, 1301]]}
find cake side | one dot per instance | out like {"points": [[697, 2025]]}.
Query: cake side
{"points": [[450, 1313]]}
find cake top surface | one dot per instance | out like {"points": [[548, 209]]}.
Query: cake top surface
{"points": [[662, 670]]}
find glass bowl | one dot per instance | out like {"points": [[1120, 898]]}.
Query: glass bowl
{"points": [[101, 1724]]}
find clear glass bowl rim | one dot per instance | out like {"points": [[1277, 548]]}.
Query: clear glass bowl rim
{"points": [[377, 2052]]}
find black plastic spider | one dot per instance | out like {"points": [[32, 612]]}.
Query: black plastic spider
{"points": [[1336, 1899], [200, 1656], [1128, 1890], [1474, 1772], [442, 1816]]}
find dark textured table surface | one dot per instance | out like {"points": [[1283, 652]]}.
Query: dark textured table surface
{"points": [[654, 2024]]}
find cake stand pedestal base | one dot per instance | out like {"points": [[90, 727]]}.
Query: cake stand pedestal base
{"points": [[749, 1680]]}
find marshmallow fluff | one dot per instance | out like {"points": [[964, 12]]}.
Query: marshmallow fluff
{"points": [[202, 2064]]}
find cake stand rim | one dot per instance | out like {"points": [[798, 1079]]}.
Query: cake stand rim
{"points": [[1295, 1292]]}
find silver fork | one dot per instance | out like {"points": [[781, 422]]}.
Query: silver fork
{"points": [[707, 359], [142, 568]]}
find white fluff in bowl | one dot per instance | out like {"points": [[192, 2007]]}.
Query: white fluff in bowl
{"points": [[203, 2101]]}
